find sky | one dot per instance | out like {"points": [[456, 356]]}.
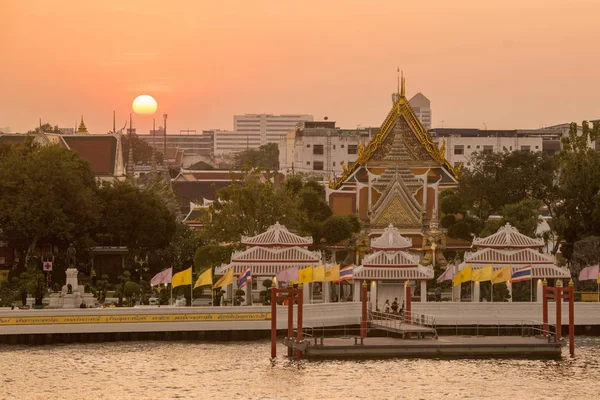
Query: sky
{"points": [[502, 64]]}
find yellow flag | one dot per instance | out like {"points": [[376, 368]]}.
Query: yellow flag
{"points": [[305, 275], [502, 275], [462, 276], [3, 275], [333, 274], [598, 280], [319, 273], [482, 274], [204, 279], [182, 278], [226, 279]]}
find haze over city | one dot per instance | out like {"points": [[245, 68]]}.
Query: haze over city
{"points": [[508, 64]]}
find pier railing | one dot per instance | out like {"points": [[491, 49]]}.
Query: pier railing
{"points": [[395, 320]]}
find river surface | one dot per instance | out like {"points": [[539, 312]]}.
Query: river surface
{"points": [[193, 370]]}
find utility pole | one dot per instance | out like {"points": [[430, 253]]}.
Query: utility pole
{"points": [[165, 138]]}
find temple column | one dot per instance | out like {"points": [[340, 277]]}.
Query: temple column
{"points": [[373, 295], [233, 289], [539, 293], [423, 291], [355, 291], [326, 292], [476, 291], [248, 296], [509, 287]]}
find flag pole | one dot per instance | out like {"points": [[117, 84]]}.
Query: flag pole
{"points": [[191, 288], [171, 301], [531, 289]]}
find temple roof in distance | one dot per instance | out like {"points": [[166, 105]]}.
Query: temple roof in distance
{"points": [[391, 240], [277, 236], [508, 237]]}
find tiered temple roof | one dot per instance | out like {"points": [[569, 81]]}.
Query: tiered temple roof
{"points": [[391, 262], [510, 247], [271, 252]]}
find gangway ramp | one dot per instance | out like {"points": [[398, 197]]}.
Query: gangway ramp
{"points": [[420, 324]]}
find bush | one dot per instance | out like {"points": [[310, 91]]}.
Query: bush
{"points": [[240, 292], [131, 288]]}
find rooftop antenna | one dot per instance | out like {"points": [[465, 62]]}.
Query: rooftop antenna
{"points": [[114, 127]]}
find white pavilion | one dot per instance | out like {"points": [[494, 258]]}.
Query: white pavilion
{"points": [[510, 247], [390, 267], [267, 254]]}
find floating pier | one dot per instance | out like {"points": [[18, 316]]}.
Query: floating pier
{"points": [[448, 346]]}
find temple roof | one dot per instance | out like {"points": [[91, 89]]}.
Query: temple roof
{"points": [[82, 128], [277, 236], [508, 237], [391, 240], [284, 255], [398, 206], [390, 259], [400, 118], [395, 274], [508, 256]]}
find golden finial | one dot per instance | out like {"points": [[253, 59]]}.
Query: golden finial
{"points": [[443, 149], [364, 284], [558, 283], [398, 91], [82, 128], [402, 86], [571, 283], [545, 282]]}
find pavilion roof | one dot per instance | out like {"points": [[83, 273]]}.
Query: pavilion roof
{"points": [[391, 240], [508, 237], [390, 259], [277, 236], [394, 274], [285, 255]]}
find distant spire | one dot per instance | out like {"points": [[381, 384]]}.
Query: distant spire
{"points": [[129, 170], [403, 88], [398, 92], [82, 128]]}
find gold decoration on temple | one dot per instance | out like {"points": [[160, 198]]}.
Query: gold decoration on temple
{"points": [[402, 107], [361, 152], [344, 168], [82, 128], [434, 244], [443, 149]]}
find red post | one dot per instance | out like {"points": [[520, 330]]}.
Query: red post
{"points": [[559, 291], [571, 294], [273, 322], [545, 307], [300, 306], [363, 322], [408, 306], [290, 334]]}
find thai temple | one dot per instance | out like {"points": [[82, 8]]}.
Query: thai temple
{"points": [[510, 247], [397, 178]]}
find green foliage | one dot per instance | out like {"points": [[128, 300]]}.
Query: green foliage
{"points": [[210, 256], [267, 283], [181, 248], [200, 166], [338, 228], [48, 194], [265, 157], [523, 215], [142, 151], [585, 252], [46, 127], [130, 288], [136, 218]]}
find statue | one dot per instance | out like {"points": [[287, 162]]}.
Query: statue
{"points": [[71, 255], [69, 288], [434, 243]]}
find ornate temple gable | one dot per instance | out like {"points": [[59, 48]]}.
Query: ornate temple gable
{"points": [[508, 237], [391, 259], [279, 256], [391, 240], [397, 206], [518, 256], [402, 138], [395, 274], [277, 236]]}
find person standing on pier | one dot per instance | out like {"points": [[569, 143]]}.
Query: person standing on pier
{"points": [[386, 306], [395, 306]]}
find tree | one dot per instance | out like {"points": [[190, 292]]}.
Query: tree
{"points": [[210, 256], [136, 218], [180, 250], [46, 194], [578, 212], [46, 127], [338, 228], [523, 215], [142, 151], [265, 157]]}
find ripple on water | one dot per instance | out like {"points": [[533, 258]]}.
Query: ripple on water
{"points": [[188, 370]]}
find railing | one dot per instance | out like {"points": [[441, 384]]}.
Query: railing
{"points": [[411, 317], [495, 328]]}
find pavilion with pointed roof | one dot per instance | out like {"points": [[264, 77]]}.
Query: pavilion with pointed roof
{"points": [[271, 252], [508, 246], [397, 177], [390, 266]]}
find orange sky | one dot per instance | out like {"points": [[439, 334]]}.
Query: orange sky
{"points": [[508, 64]]}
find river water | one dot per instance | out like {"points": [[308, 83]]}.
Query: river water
{"points": [[193, 370]]}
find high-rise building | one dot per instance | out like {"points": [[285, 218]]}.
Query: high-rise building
{"points": [[269, 128], [422, 108]]}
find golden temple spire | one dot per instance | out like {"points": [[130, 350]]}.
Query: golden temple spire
{"points": [[398, 91], [82, 128], [402, 86]]}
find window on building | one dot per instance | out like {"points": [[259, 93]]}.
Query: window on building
{"points": [[318, 149], [510, 148], [318, 166], [525, 148], [308, 146], [352, 149], [308, 163], [334, 146], [341, 146], [477, 147], [488, 149], [459, 149], [468, 146], [334, 163], [537, 147]]}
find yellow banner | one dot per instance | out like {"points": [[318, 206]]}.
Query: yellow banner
{"points": [[482, 274], [305, 275], [134, 318], [319, 273], [333, 274], [462, 276], [3, 275]]}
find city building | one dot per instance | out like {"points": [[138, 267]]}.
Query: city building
{"points": [[422, 109], [321, 148], [269, 128], [192, 145], [459, 144]]}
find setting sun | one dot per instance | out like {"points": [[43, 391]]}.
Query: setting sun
{"points": [[144, 104]]}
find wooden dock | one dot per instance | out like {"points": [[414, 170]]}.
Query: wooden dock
{"points": [[447, 346]]}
